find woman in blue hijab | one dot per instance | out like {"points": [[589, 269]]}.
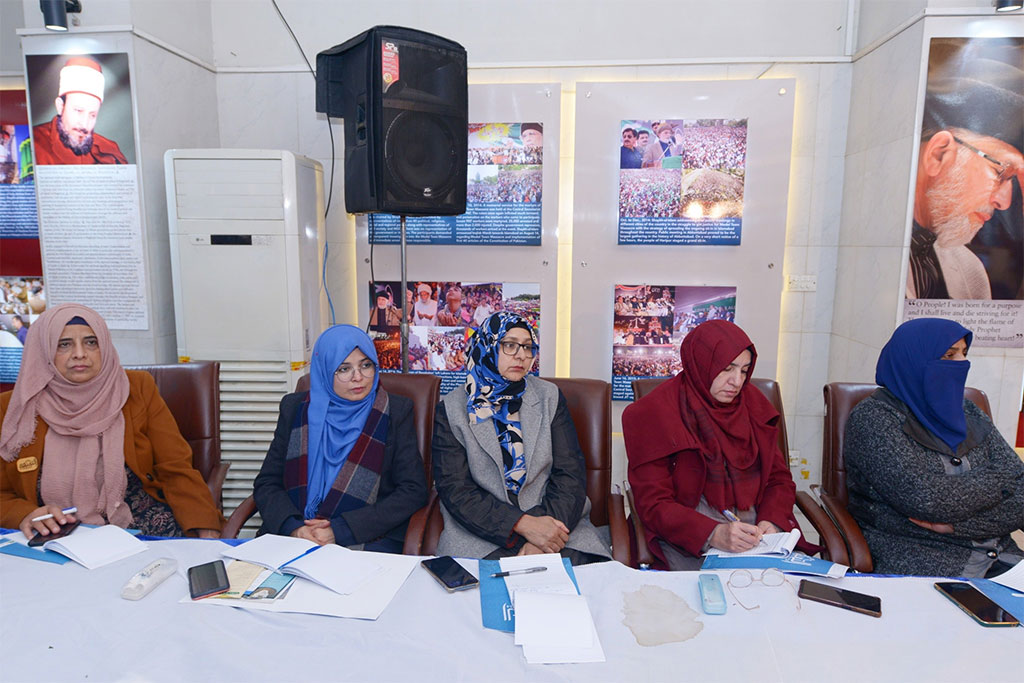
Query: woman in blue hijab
{"points": [[507, 464], [935, 488], [344, 466]]}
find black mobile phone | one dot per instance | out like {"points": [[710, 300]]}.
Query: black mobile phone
{"points": [[65, 529], [207, 579], [450, 574], [975, 603], [839, 597]]}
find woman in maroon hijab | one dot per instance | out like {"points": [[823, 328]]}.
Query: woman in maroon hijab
{"points": [[702, 444]]}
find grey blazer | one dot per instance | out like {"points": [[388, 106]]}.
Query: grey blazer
{"points": [[480, 489]]}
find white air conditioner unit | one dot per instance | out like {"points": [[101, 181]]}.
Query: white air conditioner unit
{"points": [[246, 240]]}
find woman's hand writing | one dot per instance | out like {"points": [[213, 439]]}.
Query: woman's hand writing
{"points": [[46, 526], [735, 537], [547, 533]]}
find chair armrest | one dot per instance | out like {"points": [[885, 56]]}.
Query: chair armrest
{"points": [[828, 534], [642, 558], [618, 528], [216, 483], [860, 554], [238, 518], [414, 532]]}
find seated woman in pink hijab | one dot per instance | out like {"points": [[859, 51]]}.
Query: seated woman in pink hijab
{"points": [[81, 431]]}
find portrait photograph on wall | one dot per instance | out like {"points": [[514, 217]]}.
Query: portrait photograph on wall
{"points": [[681, 181], [81, 107], [966, 257], [442, 318], [651, 321], [504, 187]]}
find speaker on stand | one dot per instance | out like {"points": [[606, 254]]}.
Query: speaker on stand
{"points": [[403, 95]]}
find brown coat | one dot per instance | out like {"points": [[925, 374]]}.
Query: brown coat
{"points": [[153, 448]]}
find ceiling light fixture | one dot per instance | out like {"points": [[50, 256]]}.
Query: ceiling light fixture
{"points": [[1008, 5], [55, 13]]}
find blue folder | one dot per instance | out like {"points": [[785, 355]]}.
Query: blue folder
{"points": [[796, 563], [495, 603], [1010, 600]]}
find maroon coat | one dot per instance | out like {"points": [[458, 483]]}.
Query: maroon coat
{"points": [[667, 470]]}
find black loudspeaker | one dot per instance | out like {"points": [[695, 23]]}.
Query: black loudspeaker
{"points": [[403, 96]]}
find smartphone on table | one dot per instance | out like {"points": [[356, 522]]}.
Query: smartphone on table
{"points": [[208, 579], [65, 529], [979, 606], [840, 597], [450, 574]]}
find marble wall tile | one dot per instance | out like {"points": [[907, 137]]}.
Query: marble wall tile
{"points": [[833, 110], [788, 373], [814, 356], [845, 291], [861, 362], [853, 204], [886, 192], [801, 192], [314, 137], [684, 72], [258, 110], [987, 373], [818, 306], [838, 358], [876, 294], [826, 200]]}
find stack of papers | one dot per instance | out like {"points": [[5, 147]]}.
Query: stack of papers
{"points": [[90, 547], [553, 623]]}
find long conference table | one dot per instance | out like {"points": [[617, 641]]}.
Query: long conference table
{"points": [[66, 623]]}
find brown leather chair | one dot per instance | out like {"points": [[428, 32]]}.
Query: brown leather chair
{"points": [[834, 546], [589, 403], [840, 399], [192, 393], [424, 391]]}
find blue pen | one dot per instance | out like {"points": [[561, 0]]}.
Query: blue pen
{"points": [[728, 514]]}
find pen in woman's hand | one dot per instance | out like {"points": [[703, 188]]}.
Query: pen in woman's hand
{"points": [[66, 511]]}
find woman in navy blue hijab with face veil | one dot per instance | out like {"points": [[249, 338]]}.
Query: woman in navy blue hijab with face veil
{"points": [[935, 488], [344, 466]]}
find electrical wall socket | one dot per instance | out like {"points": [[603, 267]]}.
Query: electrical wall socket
{"points": [[794, 458], [802, 283]]}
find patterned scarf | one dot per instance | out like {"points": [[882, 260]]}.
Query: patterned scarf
{"points": [[358, 480], [491, 396]]}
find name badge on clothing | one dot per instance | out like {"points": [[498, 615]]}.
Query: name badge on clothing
{"points": [[28, 464]]}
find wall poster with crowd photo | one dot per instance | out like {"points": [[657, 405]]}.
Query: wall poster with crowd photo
{"points": [[681, 181], [650, 321], [22, 301], [504, 184], [966, 259], [442, 318]]}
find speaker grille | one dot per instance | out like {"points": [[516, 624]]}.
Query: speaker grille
{"points": [[421, 155]]}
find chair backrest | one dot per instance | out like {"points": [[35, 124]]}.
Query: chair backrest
{"points": [[424, 390], [590, 405], [192, 393], [840, 400], [769, 387]]}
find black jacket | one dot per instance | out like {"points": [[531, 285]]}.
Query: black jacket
{"points": [[403, 485]]}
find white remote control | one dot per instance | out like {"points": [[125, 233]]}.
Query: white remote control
{"points": [[140, 585]]}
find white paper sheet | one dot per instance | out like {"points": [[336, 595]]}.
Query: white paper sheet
{"points": [[1012, 579], [335, 567], [93, 547], [781, 543], [270, 550], [553, 580], [558, 629]]}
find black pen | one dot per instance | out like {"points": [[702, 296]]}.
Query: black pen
{"points": [[531, 570]]}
